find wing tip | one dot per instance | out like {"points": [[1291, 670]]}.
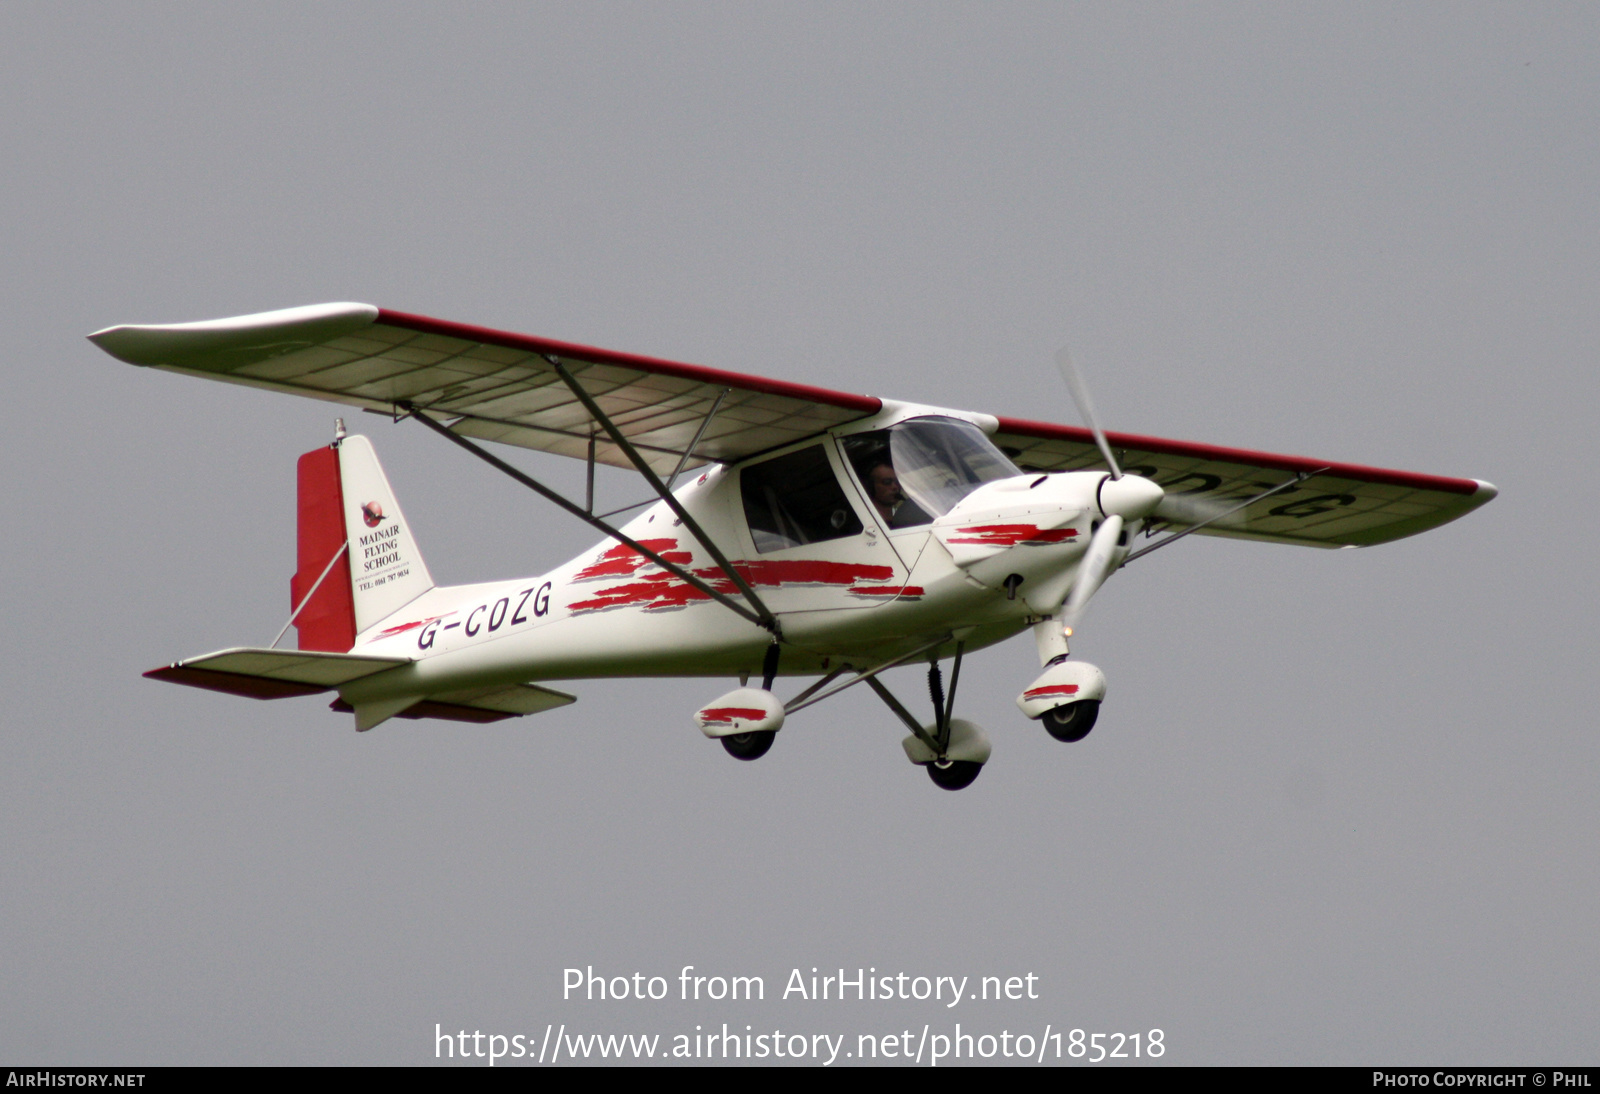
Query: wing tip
{"points": [[164, 343]]}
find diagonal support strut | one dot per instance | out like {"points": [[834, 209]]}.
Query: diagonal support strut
{"points": [[905, 715], [764, 615], [1247, 503], [699, 434], [809, 697], [588, 518]]}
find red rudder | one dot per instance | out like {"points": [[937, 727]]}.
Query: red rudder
{"points": [[328, 621]]}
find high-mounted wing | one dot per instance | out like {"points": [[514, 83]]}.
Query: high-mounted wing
{"points": [[494, 385], [1340, 505], [499, 386]]}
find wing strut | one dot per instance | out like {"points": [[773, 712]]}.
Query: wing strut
{"points": [[1300, 477], [904, 715], [683, 459], [588, 518], [938, 742], [766, 618], [698, 434]]}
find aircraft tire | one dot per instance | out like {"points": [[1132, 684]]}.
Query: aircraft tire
{"points": [[749, 746], [954, 775], [1071, 721]]}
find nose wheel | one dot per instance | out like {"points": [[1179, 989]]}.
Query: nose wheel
{"points": [[1071, 721], [748, 746]]}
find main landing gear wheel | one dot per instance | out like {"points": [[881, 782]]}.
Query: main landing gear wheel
{"points": [[953, 774], [1073, 721], [750, 746]]}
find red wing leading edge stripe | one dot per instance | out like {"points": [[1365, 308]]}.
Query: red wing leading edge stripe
{"points": [[864, 404]]}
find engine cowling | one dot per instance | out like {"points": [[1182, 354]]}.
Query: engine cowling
{"points": [[1038, 527]]}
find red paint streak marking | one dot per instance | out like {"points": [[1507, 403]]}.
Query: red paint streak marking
{"points": [[1011, 535], [728, 714], [1053, 689], [886, 590], [419, 623], [774, 572], [663, 592], [624, 561], [660, 591]]}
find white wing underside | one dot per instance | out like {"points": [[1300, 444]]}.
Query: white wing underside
{"points": [[500, 386], [492, 385]]}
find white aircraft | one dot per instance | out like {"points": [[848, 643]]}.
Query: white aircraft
{"points": [[818, 533]]}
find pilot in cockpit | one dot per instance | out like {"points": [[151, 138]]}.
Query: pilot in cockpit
{"points": [[890, 500], [920, 468], [886, 493]]}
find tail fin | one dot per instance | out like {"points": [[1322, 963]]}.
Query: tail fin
{"points": [[357, 562]]}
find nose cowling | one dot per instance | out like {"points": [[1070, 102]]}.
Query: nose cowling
{"points": [[1132, 497]]}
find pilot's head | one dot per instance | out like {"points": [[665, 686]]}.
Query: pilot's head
{"points": [[885, 487]]}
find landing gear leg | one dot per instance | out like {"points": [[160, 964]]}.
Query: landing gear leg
{"points": [[1050, 635], [769, 666], [943, 707], [952, 751], [754, 745]]}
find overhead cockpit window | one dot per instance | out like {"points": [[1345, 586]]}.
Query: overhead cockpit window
{"points": [[795, 499], [918, 470]]}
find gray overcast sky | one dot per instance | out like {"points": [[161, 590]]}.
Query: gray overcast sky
{"points": [[1340, 806]]}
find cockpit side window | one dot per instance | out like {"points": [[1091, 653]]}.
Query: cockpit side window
{"points": [[871, 459], [795, 499], [919, 469]]}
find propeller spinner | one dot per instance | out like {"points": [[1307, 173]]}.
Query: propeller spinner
{"points": [[1123, 499]]}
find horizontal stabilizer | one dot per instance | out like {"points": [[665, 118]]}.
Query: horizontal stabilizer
{"points": [[490, 704], [272, 674]]}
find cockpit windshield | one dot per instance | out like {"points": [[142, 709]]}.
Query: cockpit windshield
{"points": [[918, 470]]}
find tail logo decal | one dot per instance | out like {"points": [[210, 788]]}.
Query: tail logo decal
{"points": [[372, 514]]}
